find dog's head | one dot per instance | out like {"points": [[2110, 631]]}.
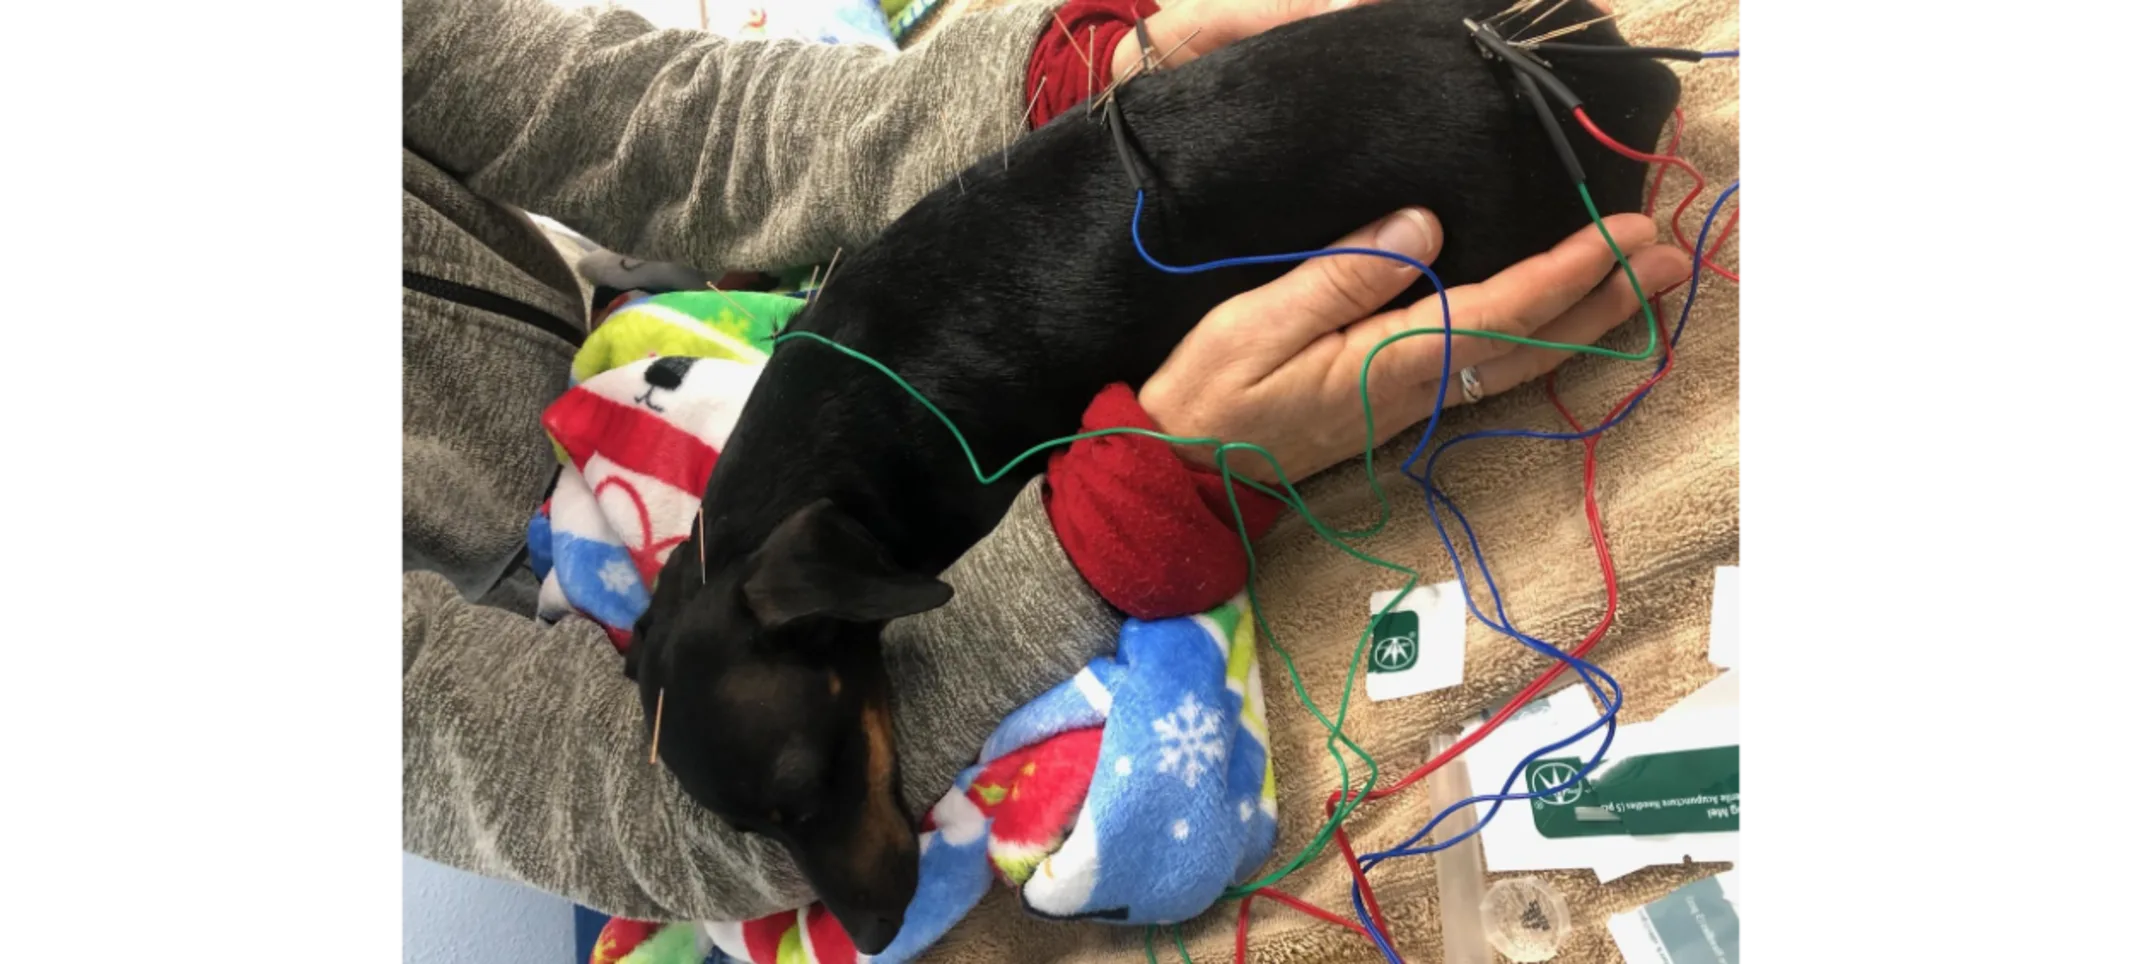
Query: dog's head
{"points": [[775, 708]]}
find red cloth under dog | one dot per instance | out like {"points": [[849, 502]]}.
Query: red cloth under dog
{"points": [[1151, 533], [1070, 78]]}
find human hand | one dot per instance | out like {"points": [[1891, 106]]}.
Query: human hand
{"points": [[1280, 365], [1199, 27]]}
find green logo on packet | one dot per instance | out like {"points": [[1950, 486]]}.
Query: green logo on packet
{"points": [[1396, 646], [1682, 791]]}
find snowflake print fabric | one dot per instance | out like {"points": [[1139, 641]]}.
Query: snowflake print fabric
{"points": [[1191, 739], [1181, 804]]}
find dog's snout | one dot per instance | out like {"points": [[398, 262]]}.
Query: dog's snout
{"points": [[865, 871], [871, 888], [874, 932]]}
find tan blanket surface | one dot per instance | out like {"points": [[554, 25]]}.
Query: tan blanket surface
{"points": [[1668, 485]]}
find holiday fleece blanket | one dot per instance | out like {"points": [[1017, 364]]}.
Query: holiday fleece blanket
{"points": [[1132, 793], [653, 394]]}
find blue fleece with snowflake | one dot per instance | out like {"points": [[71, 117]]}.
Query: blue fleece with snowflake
{"points": [[1181, 803]]}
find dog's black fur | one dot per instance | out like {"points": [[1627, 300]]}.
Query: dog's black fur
{"points": [[1010, 301]]}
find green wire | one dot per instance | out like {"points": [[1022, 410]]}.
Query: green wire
{"points": [[1291, 498], [1648, 351], [1152, 957], [1366, 405]]}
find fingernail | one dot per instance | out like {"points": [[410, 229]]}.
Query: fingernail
{"points": [[1408, 233], [1341, 4]]}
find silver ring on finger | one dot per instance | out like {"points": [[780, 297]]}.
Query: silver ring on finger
{"points": [[1470, 379]]}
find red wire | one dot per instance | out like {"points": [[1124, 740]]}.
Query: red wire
{"points": [[1623, 150], [1537, 686], [1310, 909], [1649, 206], [1240, 935], [1729, 223], [1679, 126], [1714, 247], [1590, 640], [1612, 605], [1597, 535]]}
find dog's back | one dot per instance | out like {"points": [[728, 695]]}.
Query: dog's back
{"points": [[1011, 295]]}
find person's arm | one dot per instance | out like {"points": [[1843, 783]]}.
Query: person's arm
{"points": [[1020, 622], [678, 145], [524, 757]]}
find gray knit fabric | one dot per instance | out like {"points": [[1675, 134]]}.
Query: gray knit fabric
{"points": [[674, 145], [523, 755]]}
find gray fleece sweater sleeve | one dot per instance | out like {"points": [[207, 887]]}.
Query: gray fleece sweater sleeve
{"points": [[679, 146], [524, 755]]}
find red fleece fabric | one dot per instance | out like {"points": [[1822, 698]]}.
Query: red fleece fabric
{"points": [[1151, 533], [1070, 80]]}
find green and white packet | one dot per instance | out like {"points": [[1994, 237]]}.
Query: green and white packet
{"points": [[1418, 646], [1676, 791]]}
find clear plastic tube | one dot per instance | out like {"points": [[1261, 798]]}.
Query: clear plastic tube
{"points": [[1459, 871]]}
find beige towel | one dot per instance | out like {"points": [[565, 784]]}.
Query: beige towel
{"points": [[1668, 485]]}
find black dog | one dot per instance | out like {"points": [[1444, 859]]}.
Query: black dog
{"points": [[1009, 301]]}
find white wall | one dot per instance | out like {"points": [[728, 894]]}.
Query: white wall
{"points": [[666, 13], [675, 14], [451, 917]]}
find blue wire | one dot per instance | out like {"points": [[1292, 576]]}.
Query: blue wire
{"points": [[1434, 494], [1441, 397], [1588, 672], [1720, 54], [1694, 284], [1584, 670], [1441, 387]]}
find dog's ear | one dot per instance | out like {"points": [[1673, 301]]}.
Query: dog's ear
{"points": [[821, 562]]}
